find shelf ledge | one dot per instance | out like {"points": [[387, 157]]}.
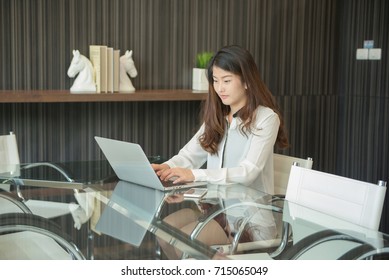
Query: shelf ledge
{"points": [[58, 96]]}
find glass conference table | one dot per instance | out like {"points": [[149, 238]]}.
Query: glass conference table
{"points": [[121, 220]]}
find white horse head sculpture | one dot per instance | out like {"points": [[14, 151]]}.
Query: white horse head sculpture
{"points": [[127, 65], [84, 82]]}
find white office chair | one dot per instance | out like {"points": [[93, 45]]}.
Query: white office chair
{"points": [[9, 157], [321, 236], [348, 199], [282, 165], [10, 163], [26, 236], [282, 168], [322, 200]]}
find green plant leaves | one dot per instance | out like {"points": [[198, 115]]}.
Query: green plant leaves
{"points": [[203, 58]]}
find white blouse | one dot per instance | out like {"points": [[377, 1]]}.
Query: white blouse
{"points": [[241, 159]]}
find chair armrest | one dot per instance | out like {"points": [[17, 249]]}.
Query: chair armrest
{"points": [[309, 242], [52, 165], [363, 251], [17, 182]]}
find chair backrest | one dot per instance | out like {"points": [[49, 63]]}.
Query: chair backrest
{"points": [[282, 165], [355, 201], [9, 149], [9, 157]]}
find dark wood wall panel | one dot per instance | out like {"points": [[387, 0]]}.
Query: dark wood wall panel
{"points": [[363, 89], [335, 107], [290, 40], [65, 131], [312, 122]]}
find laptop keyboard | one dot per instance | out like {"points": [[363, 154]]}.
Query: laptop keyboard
{"points": [[169, 183]]}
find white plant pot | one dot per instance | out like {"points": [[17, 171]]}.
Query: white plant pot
{"points": [[199, 79]]}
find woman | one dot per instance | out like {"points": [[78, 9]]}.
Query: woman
{"points": [[241, 125]]}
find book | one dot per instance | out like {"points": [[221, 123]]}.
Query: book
{"points": [[110, 70], [116, 70], [103, 69], [98, 58]]}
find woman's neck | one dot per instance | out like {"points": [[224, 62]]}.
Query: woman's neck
{"points": [[232, 114]]}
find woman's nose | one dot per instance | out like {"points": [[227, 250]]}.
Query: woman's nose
{"points": [[220, 87]]}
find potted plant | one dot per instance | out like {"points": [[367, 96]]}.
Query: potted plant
{"points": [[199, 77]]}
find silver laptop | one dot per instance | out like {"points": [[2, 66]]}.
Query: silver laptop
{"points": [[131, 164]]}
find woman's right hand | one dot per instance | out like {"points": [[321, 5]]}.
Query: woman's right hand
{"points": [[160, 168]]}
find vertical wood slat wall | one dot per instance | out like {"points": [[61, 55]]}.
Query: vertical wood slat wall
{"points": [[335, 108], [363, 90]]}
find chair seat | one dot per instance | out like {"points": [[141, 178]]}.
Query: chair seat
{"points": [[28, 236], [5, 187], [30, 246], [48, 209]]}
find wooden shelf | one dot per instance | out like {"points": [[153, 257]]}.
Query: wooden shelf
{"points": [[58, 96]]}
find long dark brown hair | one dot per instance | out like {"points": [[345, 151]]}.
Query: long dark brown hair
{"points": [[238, 61]]}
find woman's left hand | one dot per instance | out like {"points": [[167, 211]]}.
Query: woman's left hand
{"points": [[177, 175]]}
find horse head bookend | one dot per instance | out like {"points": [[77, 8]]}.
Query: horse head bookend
{"points": [[84, 83], [127, 65]]}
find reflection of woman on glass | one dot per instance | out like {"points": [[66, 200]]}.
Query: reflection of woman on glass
{"points": [[241, 125]]}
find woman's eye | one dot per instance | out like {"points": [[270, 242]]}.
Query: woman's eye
{"points": [[227, 81]]}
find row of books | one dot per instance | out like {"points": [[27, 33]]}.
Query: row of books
{"points": [[106, 64]]}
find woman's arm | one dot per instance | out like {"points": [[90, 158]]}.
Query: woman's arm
{"points": [[179, 168], [192, 155]]}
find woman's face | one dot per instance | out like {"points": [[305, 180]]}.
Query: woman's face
{"points": [[229, 88]]}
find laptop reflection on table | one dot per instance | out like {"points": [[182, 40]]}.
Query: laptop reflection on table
{"points": [[129, 212]]}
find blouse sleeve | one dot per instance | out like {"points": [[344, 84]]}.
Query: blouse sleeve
{"points": [[192, 155]]}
